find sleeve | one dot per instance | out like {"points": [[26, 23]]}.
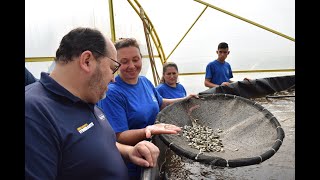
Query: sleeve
{"points": [[184, 90], [230, 70], [158, 96], [42, 150], [156, 93], [208, 72], [114, 107], [160, 89]]}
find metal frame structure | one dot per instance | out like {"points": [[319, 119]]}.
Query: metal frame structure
{"points": [[151, 34]]}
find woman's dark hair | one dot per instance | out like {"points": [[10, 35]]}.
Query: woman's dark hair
{"points": [[127, 42], [165, 67], [79, 40]]}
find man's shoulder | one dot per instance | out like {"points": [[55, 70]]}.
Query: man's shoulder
{"points": [[33, 90], [36, 99], [212, 62]]}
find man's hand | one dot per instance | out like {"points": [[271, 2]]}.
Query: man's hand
{"points": [[144, 154], [161, 128], [225, 84], [192, 95]]}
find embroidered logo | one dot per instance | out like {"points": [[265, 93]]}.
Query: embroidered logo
{"points": [[84, 127], [101, 117], [154, 99]]}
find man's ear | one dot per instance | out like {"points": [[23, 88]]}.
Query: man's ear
{"points": [[86, 61]]}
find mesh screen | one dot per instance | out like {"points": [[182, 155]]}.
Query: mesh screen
{"points": [[250, 133]]}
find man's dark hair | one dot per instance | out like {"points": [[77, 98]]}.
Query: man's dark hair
{"points": [[79, 40], [223, 45]]}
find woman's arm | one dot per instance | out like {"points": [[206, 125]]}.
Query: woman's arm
{"points": [[133, 136], [166, 102]]}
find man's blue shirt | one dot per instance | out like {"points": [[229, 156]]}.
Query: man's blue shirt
{"points": [[218, 72], [67, 138]]}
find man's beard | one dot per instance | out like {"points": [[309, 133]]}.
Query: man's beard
{"points": [[96, 84]]}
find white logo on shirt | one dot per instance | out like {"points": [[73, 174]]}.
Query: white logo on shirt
{"points": [[154, 99], [101, 117]]}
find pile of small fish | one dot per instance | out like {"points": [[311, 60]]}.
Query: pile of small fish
{"points": [[203, 138]]}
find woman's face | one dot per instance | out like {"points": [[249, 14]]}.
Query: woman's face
{"points": [[171, 76], [131, 63]]}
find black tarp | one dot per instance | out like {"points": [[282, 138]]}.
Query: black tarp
{"points": [[255, 88]]}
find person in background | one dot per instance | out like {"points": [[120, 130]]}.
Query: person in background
{"points": [[132, 102], [66, 135], [219, 72], [28, 78], [169, 87]]}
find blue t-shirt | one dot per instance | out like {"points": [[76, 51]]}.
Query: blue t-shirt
{"points": [[130, 106], [218, 72], [169, 92], [67, 138]]}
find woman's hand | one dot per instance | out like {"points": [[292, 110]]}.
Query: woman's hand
{"points": [[161, 128], [225, 84]]}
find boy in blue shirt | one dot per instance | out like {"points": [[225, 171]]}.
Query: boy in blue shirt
{"points": [[219, 72]]}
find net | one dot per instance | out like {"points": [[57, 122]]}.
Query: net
{"points": [[248, 133]]}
